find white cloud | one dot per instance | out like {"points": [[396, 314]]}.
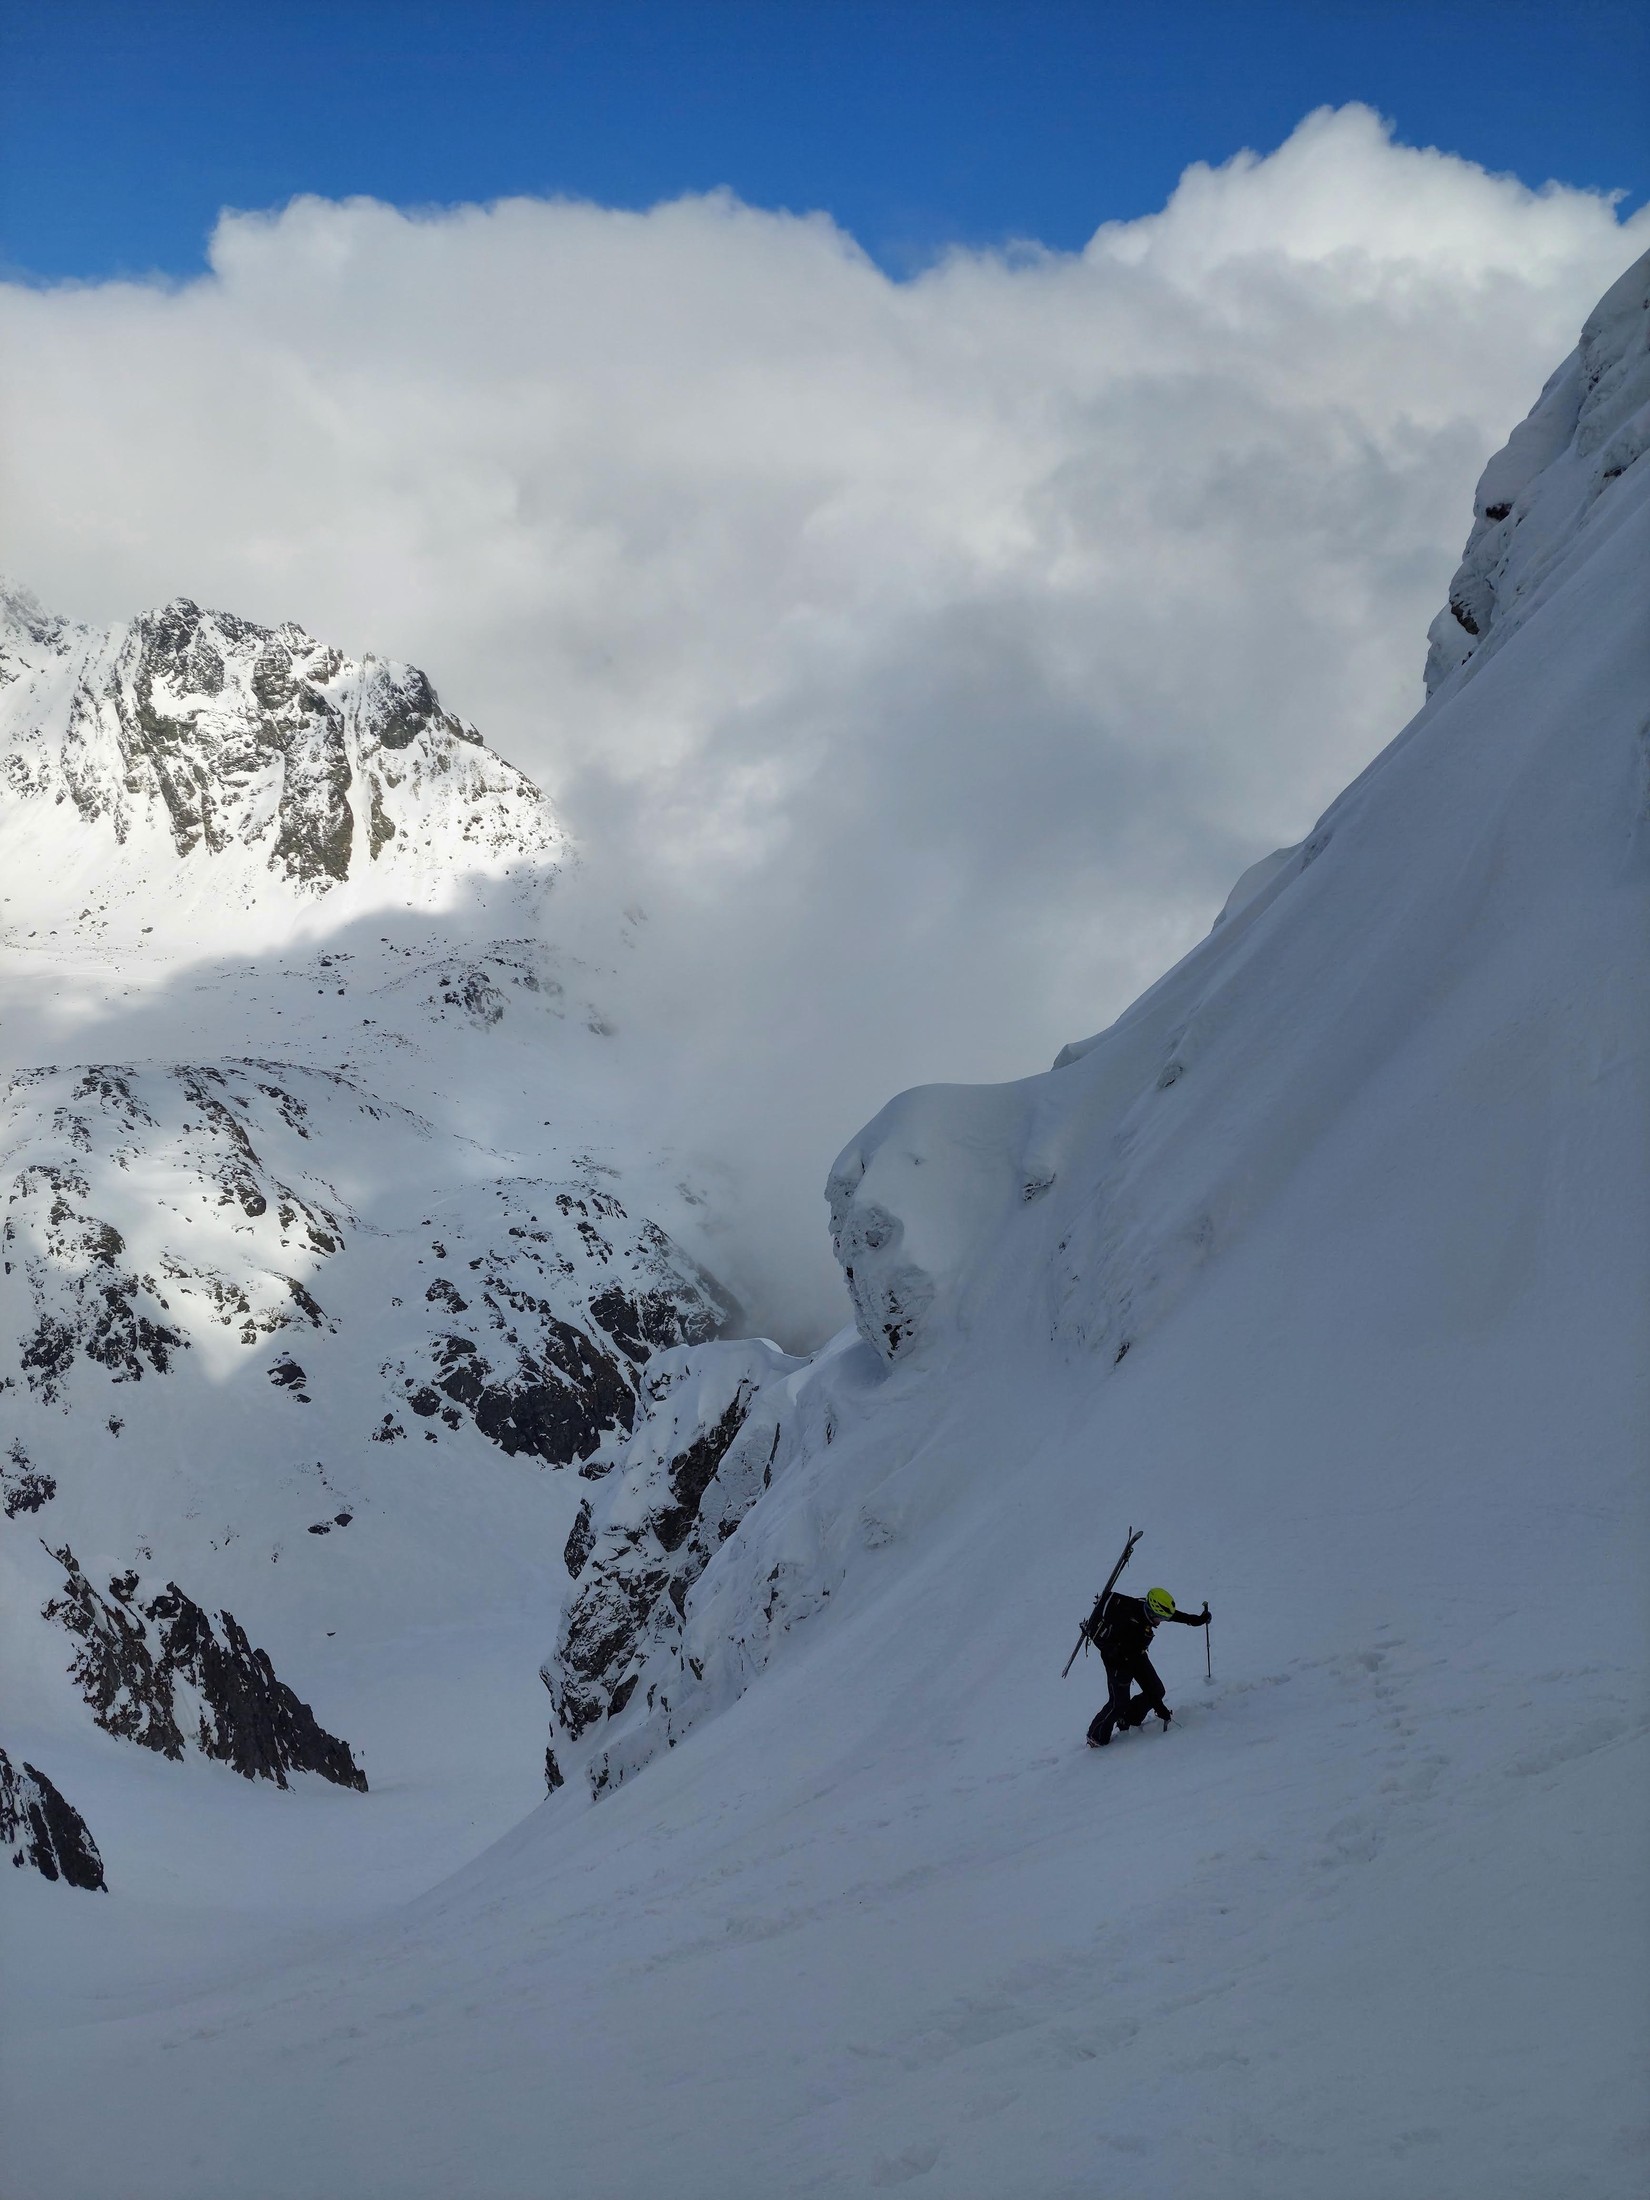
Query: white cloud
{"points": [[927, 657]]}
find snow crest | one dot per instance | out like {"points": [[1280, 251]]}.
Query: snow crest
{"points": [[1588, 427]]}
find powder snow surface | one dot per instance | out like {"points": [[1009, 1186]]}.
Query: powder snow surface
{"points": [[1369, 1920]]}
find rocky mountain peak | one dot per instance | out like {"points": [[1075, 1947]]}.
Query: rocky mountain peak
{"points": [[265, 763]]}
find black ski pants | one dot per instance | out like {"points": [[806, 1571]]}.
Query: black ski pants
{"points": [[1123, 1675]]}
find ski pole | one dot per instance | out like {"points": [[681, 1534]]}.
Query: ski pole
{"points": [[1208, 1657]]}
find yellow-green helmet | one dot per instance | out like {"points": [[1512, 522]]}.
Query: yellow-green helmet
{"points": [[1159, 1603]]}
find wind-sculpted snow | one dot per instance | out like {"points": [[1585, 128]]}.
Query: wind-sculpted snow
{"points": [[1590, 424], [161, 1672], [43, 1831], [271, 768]]}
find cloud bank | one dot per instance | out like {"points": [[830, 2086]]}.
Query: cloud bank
{"points": [[926, 658]]}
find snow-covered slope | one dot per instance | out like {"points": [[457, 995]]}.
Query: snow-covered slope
{"points": [[1401, 950], [1327, 1265]]}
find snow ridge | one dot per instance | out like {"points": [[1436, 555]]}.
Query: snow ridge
{"points": [[1588, 427]]}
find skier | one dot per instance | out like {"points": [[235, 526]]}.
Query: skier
{"points": [[1121, 1630]]}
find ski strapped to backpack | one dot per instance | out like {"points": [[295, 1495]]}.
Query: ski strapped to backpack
{"points": [[1090, 1629]]}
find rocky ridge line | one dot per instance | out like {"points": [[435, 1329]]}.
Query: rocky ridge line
{"points": [[214, 735]]}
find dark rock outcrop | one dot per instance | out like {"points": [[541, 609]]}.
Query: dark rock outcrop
{"points": [[685, 1483], [26, 1488], [45, 1832], [162, 1671], [564, 1299]]}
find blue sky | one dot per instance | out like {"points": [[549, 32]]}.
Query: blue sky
{"points": [[126, 124]]}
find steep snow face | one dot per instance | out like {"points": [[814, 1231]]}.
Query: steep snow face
{"points": [[1161, 1140], [268, 767]]}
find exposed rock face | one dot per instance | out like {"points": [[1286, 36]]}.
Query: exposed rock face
{"points": [[549, 1304], [25, 1489], [162, 1673], [44, 1831], [220, 736], [700, 1457]]}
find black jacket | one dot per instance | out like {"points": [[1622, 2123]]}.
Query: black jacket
{"points": [[1124, 1629]]}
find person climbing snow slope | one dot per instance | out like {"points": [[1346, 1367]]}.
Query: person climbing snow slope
{"points": [[1122, 1633]]}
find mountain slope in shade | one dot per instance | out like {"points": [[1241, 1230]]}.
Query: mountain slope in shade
{"points": [[1326, 1265]]}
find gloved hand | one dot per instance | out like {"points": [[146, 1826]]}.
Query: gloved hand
{"points": [[1205, 1612]]}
